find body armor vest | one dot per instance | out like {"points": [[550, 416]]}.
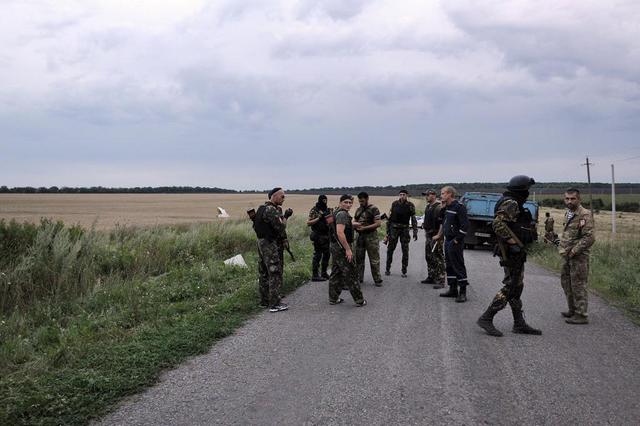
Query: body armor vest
{"points": [[401, 213], [523, 226]]}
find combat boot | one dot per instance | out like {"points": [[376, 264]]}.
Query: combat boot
{"points": [[577, 319], [462, 294], [567, 314], [520, 326], [325, 275], [452, 292], [486, 323]]}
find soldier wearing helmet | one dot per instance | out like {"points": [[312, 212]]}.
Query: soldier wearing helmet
{"points": [[512, 225]]}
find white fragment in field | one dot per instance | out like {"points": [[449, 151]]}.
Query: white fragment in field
{"points": [[236, 260], [222, 212]]}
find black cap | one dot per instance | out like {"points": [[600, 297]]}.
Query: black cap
{"points": [[273, 191], [429, 191], [403, 191]]}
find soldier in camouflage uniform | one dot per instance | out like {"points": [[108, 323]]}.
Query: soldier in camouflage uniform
{"points": [[574, 247], [549, 234], [401, 217], [367, 223], [270, 226], [344, 273], [320, 236], [433, 250], [512, 225]]}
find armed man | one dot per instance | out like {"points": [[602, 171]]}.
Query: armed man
{"points": [[320, 237], [344, 273], [433, 252], [574, 247], [270, 225], [513, 227], [454, 229], [367, 222], [402, 216]]}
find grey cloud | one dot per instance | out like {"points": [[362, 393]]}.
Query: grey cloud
{"points": [[334, 9]]}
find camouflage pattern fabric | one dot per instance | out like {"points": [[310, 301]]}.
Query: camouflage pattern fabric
{"points": [[321, 254], [577, 235], [270, 269], [344, 274], [435, 260], [368, 244], [513, 285], [575, 244], [548, 224], [573, 278], [395, 233], [271, 257]]}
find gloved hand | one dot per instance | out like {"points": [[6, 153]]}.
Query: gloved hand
{"points": [[415, 236], [288, 213], [514, 249]]}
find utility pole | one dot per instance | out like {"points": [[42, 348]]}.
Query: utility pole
{"points": [[613, 202], [590, 193]]}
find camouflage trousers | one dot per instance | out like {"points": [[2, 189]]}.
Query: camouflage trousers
{"points": [[344, 274], [270, 269], [513, 284], [396, 233], [368, 244], [573, 277], [435, 259]]}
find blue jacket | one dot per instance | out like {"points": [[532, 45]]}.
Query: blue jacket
{"points": [[456, 222]]}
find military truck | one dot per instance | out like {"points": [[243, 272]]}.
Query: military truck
{"points": [[481, 209]]}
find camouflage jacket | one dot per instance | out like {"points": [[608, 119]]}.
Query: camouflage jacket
{"points": [[507, 212], [321, 226], [577, 235], [273, 216], [367, 216], [548, 224]]}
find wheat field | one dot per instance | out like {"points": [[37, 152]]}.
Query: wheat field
{"points": [[105, 211]]}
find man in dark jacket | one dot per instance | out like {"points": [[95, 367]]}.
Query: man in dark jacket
{"points": [[454, 228], [401, 218], [320, 237]]}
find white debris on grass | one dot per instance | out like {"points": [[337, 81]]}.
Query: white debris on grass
{"points": [[222, 212], [236, 260]]}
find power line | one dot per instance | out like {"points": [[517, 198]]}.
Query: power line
{"points": [[627, 159]]}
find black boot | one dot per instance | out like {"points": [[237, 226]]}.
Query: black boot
{"points": [[462, 294], [315, 276], [325, 275], [520, 326], [486, 322], [453, 291]]}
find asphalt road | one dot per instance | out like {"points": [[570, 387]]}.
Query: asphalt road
{"points": [[408, 357]]}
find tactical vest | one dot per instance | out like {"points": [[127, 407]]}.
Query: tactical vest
{"points": [[401, 213], [366, 217], [263, 229], [431, 221], [523, 226], [348, 229], [321, 227]]}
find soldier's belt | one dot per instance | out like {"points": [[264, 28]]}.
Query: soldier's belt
{"points": [[400, 225]]}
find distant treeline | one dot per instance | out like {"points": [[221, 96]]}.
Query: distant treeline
{"points": [[105, 190], [598, 204], [416, 189]]}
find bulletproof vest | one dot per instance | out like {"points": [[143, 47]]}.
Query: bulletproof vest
{"points": [[431, 221], [366, 217], [348, 228], [523, 226], [321, 227], [263, 229], [401, 213]]}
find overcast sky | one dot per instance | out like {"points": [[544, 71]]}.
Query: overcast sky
{"points": [[248, 94]]}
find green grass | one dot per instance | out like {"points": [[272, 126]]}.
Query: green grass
{"points": [[93, 317], [614, 271]]}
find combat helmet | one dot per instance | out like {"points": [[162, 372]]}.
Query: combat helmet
{"points": [[520, 183]]}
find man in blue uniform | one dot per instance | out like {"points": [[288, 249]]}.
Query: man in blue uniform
{"points": [[454, 228]]}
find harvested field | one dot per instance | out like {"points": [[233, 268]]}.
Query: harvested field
{"points": [[109, 210], [627, 224]]}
